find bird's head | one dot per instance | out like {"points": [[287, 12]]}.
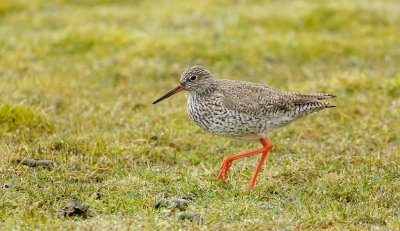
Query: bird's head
{"points": [[195, 79]]}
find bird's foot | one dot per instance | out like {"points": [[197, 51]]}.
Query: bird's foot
{"points": [[223, 171]]}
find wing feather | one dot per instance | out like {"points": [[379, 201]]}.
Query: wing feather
{"points": [[259, 100]]}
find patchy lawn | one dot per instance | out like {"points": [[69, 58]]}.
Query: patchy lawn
{"points": [[78, 78]]}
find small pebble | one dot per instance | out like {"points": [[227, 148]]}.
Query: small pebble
{"points": [[36, 163], [180, 204], [173, 204], [73, 208], [190, 215], [7, 185]]}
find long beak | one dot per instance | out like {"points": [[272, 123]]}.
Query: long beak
{"points": [[177, 89]]}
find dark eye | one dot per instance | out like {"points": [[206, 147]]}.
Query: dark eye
{"points": [[193, 77]]}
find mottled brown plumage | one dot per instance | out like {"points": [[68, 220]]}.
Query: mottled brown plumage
{"points": [[243, 110], [261, 100]]}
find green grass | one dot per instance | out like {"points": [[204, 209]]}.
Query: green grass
{"points": [[78, 78]]}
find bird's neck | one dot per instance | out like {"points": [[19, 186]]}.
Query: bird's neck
{"points": [[206, 90]]}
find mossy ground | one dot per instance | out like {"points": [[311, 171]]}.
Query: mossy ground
{"points": [[78, 78]]}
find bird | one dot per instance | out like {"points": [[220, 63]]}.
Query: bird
{"points": [[242, 110]]}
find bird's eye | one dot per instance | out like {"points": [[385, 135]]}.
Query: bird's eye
{"points": [[193, 77]]}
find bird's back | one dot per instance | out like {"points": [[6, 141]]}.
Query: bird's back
{"points": [[260, 100]]}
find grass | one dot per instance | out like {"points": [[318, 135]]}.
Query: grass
{"points": [[77, 82]]}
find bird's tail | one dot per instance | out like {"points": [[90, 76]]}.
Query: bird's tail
{"points": [[317, 96], [311, 102]]}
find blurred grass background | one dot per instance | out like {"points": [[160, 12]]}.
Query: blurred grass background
{"points": [[78, 78]]}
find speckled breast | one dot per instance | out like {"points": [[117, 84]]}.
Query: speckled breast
{"points": [[210, 114]]}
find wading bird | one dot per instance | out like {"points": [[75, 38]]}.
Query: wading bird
{"points": [[242, 110]]}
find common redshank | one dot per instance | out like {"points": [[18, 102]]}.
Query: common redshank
{"points": [[242, 110]]}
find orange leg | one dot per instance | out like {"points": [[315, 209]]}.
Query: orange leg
{"points": [[267, 146]]}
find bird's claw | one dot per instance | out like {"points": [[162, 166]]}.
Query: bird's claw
{"points": [[223, 171]]}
